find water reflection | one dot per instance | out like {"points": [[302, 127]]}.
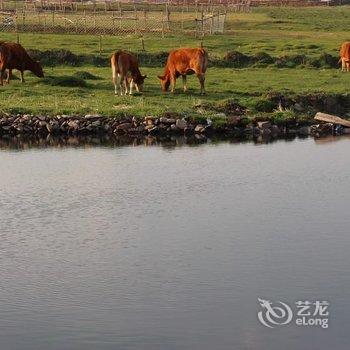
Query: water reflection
{"points": [[22, 143]]}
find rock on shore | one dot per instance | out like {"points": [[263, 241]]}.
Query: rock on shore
{"points": [[26, 124]]}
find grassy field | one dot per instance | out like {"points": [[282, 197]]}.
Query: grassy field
{"points": [[278, 32]]}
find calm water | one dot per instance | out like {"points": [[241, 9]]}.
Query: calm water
{"points": [[170, 248]]}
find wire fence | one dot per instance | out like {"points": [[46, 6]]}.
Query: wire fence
{"points": [[119, 19]]}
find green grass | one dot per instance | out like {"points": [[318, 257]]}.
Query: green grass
{"points": [[276, 31], [244, 85]]}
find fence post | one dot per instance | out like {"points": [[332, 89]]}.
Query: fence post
{"points": [[45, 22], [202, 20], [143, 44], [85, 21], [135, 20], [100, 45], [182, 17], [167, 12], [16, 28]]}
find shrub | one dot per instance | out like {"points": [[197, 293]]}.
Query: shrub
{"points": [[263, 57], [86, 75], [264, 105], [65, 80], [237, 59]]}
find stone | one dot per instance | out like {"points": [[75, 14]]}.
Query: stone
{"points": [[256, 131], [275, 129], [73, 125], [92, 116], [189, 130], [96, 123], [149, 120], [304, 130], [298, 107], [264, 125], [181, 124], [199, 128], [19, 127], [167, 121], [249, 129], [173, 127], [233, 120], [49, 128], [124, 126], [140, 128], [322, 129], [153, 130]]}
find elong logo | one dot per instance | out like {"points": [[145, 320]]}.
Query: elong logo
{"points": [[280, 314], [272, 316]]}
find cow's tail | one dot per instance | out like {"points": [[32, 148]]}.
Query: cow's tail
{"points": [[114, 65], [3, 57], [205, 59]]}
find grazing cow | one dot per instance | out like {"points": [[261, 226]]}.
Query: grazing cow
{"points": [[184, 62], [122, 64], [14, 56], [345, 56]]}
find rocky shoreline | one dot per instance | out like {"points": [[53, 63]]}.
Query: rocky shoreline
{"points": [[64, 125]]}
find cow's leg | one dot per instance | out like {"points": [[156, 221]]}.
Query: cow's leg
{"points": [[136, 87], [2, 72], [22, 76], [125, 85], [9, 76], [115, 82], [201, 78], [343, 65], [184, 82], [131, 86], [173, 83], [121, 81]]}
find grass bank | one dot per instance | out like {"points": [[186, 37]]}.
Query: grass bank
{"points": [[89, 89]]}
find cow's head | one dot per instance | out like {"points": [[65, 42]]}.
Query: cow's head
{"points": [[38, 69], [164, 82], [139, 82]]}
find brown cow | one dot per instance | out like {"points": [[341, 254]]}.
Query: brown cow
{"points": [[184, 62], [123, 63], [345, 56], [14, 56]]}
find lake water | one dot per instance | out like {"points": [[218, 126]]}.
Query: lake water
{"points": [[170, 248]]}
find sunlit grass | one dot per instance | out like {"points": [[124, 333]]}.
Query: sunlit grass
{"points": [[243, 85]]}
